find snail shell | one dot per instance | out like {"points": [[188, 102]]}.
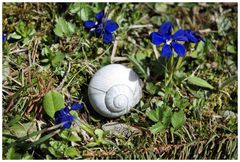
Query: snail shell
{"points": [[114, 90]]}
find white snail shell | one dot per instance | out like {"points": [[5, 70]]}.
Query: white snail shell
{"points": [[114, 90]]}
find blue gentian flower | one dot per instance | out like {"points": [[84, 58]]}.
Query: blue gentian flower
{"points": [[102, 27], [63, 115], [193, 36], [164, 35]]}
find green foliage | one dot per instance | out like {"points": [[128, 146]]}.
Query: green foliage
{"points": [[83, 11], [199, 82], [22, 129], [99, 141], [52, 102], [178, 119], [52, 58], [223, 24], [231, 49], [13, 155], [60, 149], [165, 118], [151, 88], [63, 28], [70, 135], [22, 31], [158, 127], [154, 115]]}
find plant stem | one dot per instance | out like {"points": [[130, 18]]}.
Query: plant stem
{"points": [[179, 63], [170, 69]]}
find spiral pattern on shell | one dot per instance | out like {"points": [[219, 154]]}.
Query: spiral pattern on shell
{"points": [[119, 98]]}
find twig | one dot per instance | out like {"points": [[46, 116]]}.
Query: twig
{"points": [[14, 80], [8, 93], [196, 70], [36, 44], [29, 58], [114, 50], [205, 30], [18, 51], [141, 26], [117, 59]]}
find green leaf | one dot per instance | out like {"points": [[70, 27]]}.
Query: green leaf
{"points": [[178, 119], [167, 114], [57, 59], [58, 31], [223, 24], [52, 102], [10, 154], [199, 82], [23, 129], [99, 133], [92, 144], [158, 127], [63, 28], [57, 148], [231, 49], [151, 88], [75, 7], [107, 142], [70, 135], [85, 13], [154, 115], [199, 50], [71, 152], [15, 36]]}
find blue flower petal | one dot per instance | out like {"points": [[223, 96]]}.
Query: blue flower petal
{"points": [[111, 26], [67, 125], [77, 106], [165, 29], [99, 16], [89, 24], [166, 51], [66, 110], [97, 32], [156, 38], [191, 37], [180, 35], [68, 118], [62, 112], [107, 37], [179, 49]]}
